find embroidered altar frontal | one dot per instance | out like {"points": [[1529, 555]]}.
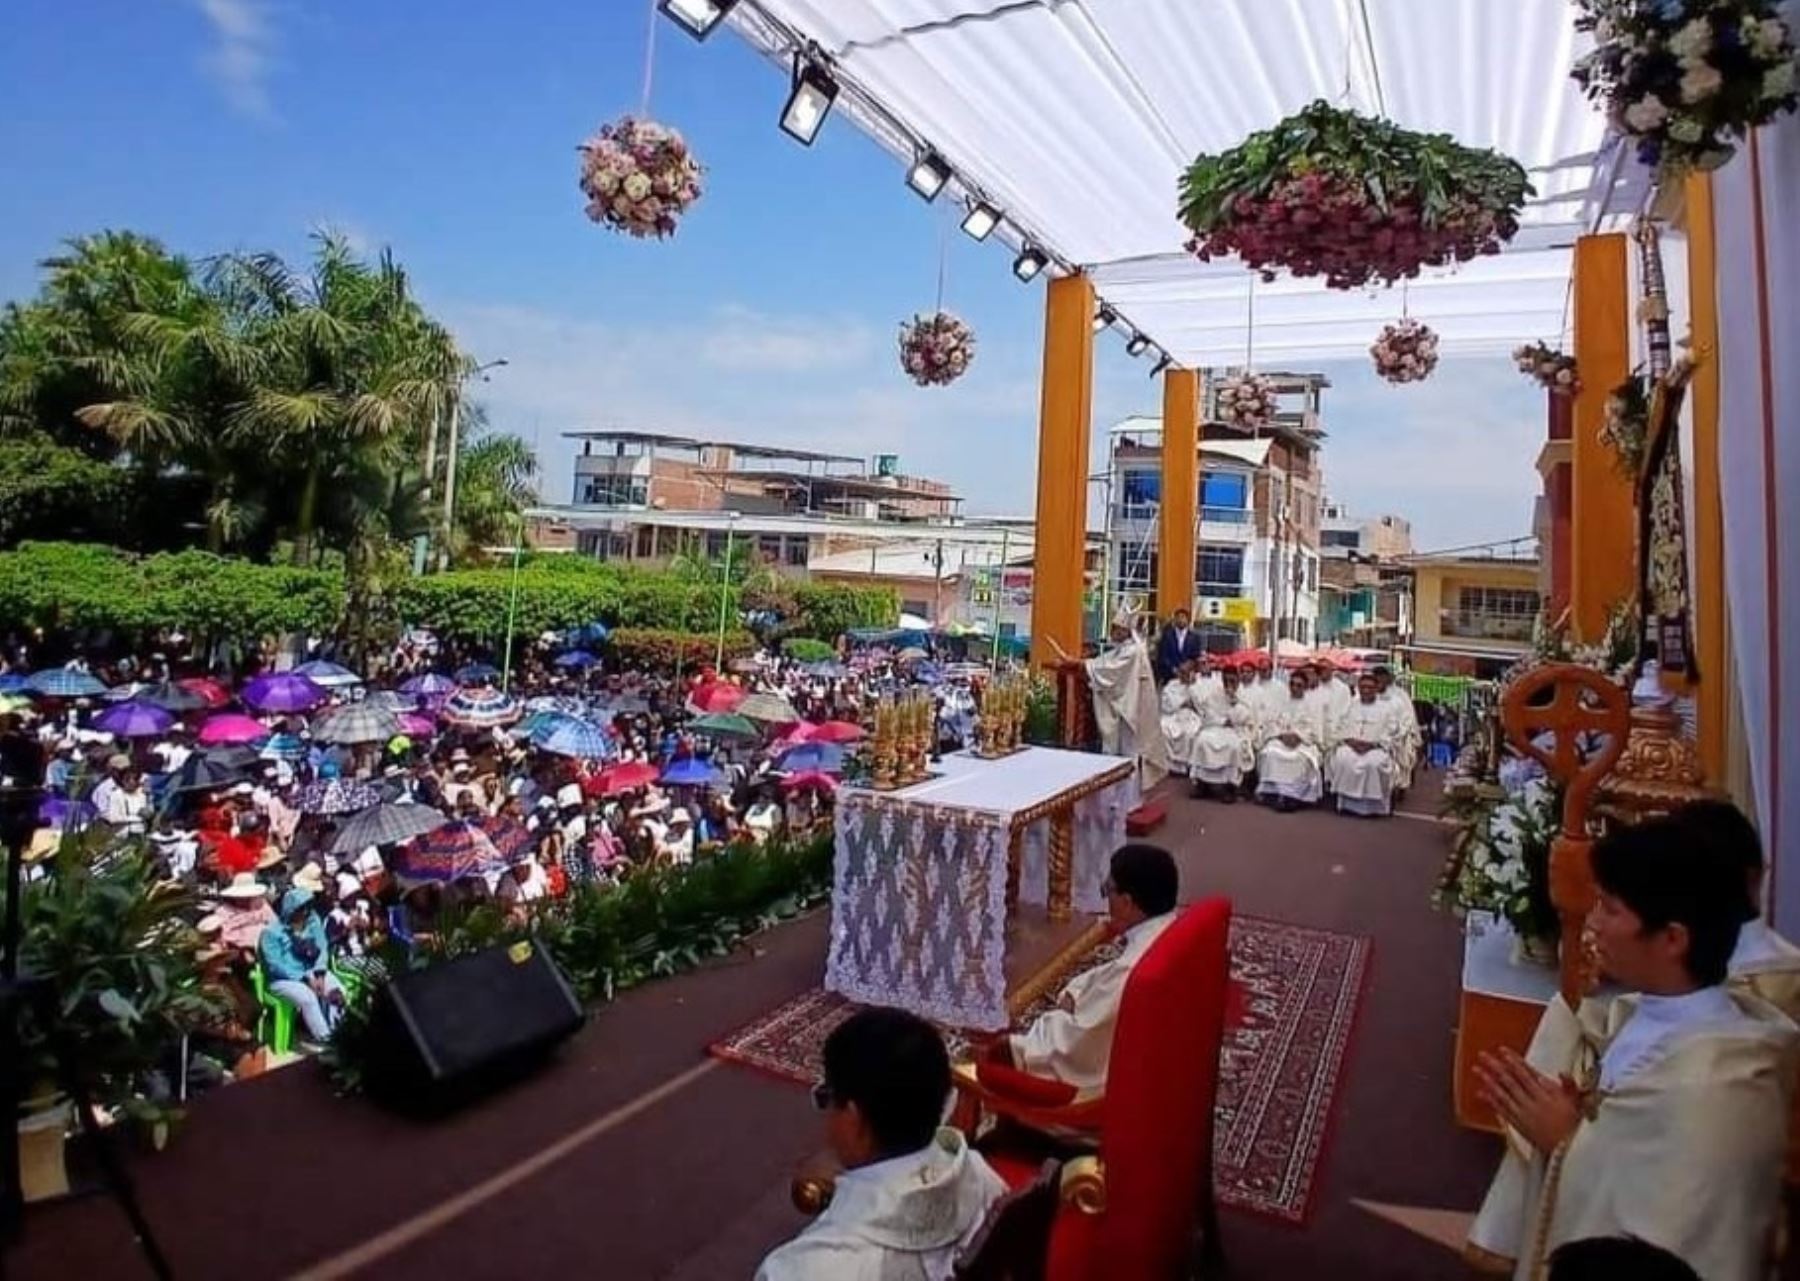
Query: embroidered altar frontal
{"points": [[927, 876]]}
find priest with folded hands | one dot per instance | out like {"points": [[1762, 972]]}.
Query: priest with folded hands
{"points": [[1363, 770]]}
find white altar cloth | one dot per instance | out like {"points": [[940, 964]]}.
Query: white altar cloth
{"points": [[919, 891]]}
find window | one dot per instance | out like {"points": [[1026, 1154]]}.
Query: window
{"points": [[1225, 489], [1140, 493], [794, 553], [1499, 602], [1219, 571], [612, 491], [1137, 570], [1351, 538]]}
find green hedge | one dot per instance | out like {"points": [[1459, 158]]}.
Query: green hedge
{"points": [[828, 610], [655, 647]]}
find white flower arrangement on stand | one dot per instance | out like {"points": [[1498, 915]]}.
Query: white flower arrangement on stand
{"points": [[639, 177], [1681, 79], [1505, 868], [1246, 400], [1406, 352], [1553, 369], [936, 349]]}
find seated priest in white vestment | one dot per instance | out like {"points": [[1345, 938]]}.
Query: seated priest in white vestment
{"points": [[1181, 700], [913, 1193], [1363, 772], [1412, 738], [1292, 733], [1329, 689], [1222, 751], [1663, 1114], [1126, 708], [1072, 1043]]}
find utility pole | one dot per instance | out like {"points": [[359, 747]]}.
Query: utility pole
{"points": [[422, 543]]}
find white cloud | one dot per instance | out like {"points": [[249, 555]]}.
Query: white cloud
{"points": [[241, 60], [750, 341]]}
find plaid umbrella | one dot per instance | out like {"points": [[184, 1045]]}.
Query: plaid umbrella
{"points": [[172, 697], [509, 836], [578, 739], [238, 756], [330, 675], [283, 747], [725, 725], [621, 778], [480, 707], [576, 658], [336, 796], [232, 727], [772, 708], [58, 682], [357, 723], [447, 853], [476, 674], [429, 685], [395, 700], [214, 692], [716, 696], [203, 773], [283, 692], [134, 720], [387, 824], [690, 771], [537, 726]]}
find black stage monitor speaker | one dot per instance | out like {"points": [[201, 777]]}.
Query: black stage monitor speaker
{"points": [[442, 1036]]}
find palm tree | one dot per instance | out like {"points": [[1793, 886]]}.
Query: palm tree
{"points": [[496, 482]]}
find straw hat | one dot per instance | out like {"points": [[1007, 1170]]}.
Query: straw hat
{"points": [[244, 886], [311, 877], [271, 857], [44, 843]]}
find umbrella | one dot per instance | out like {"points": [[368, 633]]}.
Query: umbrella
{"points": [[213, 691], [911, 654], [357, 723], [825, 758], [594, 633], [621, 778], [283, 692], [386, 824], [330, 675], [716, 696], [283, 747], [509, 836], [59, 682], [233, 727], [690, 771], [122, 693], [556, 703], [836, 732], [429, 685], [11, 683], [60, 812], [538, 726], [134, 720], [813, 779], [476, 674], [172, 697], [238, 756], [830, 669], [417, 726], [480, 707], [448, 852], [772, 708], [725, 725], [578, 739], [394, 700], [576, 658], [204, 773], [626, 704], [336, 796]]}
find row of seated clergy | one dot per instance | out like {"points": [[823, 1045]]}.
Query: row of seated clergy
{"points": [[1661, 1114]]}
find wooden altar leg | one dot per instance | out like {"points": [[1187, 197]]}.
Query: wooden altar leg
{"points": [[1015, 852], [1062, 864]]}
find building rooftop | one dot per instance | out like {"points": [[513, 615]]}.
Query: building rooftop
{"points": [[693, 442], [624, 518], [859, 486]]}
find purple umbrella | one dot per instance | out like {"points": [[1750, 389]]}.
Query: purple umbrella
{"points": [[58, 812], [283, 692], [430, 685], [134, 720]]}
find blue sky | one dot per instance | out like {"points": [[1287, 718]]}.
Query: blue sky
{"points": [[447, 131]]}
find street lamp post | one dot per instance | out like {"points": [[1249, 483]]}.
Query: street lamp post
{"points": [[479, 371], [731, 520]]}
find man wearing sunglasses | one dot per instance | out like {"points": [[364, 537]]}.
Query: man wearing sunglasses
{"points": [[912, 1193]]}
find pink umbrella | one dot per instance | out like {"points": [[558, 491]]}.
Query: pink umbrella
{"points": [[813, 779], [836, 732], [231, 727], [417, 726]]}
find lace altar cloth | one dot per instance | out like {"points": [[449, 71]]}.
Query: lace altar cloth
{"points": [[918, 905]]}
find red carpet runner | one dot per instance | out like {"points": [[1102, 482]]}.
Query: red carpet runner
{"points": [[1283, 1057]]}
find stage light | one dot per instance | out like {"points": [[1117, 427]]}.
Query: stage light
{"points": [[1137, 346], [981, 220], [928, 175], [1104, 319], [1029, 263], [1162, 364], [810, 102], [696, 17]]}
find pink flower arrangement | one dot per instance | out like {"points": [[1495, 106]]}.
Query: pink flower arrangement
{"points": [[1246, 401], [1553, 369], [638, 177], [935, 350], [1406, 352]]}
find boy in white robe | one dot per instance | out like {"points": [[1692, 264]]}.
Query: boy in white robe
{"points": [[1222, 750], [1292, 733], [1362, 772], [1660, 1116], [1181, 721], [913, 1193]]}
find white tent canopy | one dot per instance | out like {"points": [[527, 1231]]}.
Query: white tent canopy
{"points": [[1076, 119]]}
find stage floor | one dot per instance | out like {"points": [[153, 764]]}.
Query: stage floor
{"points": [[598, 1166]]}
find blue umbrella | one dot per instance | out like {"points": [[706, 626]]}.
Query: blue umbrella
{"points": [[824, 758], [476, 674], [576, 658], [578, 739], [539, 725], [330, 675], [284, 747], [59, 682], [690, 771], [594, 633], [11, 683]]}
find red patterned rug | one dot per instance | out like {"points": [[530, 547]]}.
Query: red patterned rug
{"points": [[1287, 1034]]}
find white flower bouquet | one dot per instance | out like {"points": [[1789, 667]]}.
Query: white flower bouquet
{"points": [[1406, 352], [1553, 369], [936, 350], [1680, 78], [1246, 400], [638, 177], [1505, 866]]}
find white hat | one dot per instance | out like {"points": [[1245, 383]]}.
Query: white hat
{"points": [[568, 794], [460, 756], [460, 768], [243, 789], [245, 886], [680, 815], [311, 877], [347, 884]]}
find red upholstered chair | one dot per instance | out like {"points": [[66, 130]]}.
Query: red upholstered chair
{"points": [[1135, 1210]]}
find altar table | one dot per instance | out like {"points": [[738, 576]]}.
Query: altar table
{"points": [[926, 876]]}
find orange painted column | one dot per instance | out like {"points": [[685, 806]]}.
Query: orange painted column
{"points": [[1180, 491], [1059, 553], [1603, 563], [1709, 511]]}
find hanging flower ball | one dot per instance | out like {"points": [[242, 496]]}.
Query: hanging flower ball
{"points": [[935, 350], [1246, 401], [638, 177], [1554, 370], [1406, 352]]}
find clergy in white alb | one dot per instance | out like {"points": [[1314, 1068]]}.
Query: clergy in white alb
{"points": [[1292, 733], [1126, 708], [1181, 701], [1073, 1041], [1222, 751], [913, 1195], [1664, 1114], [1329, 689], [1412, 740], [1362, 771]]}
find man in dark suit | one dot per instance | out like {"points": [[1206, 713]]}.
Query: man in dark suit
{"points": [[1179, 644]]}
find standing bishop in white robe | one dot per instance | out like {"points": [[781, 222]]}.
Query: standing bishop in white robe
{"points": [[1363, 772], [1182, 699], [1292, 732], [1126, 707]]}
